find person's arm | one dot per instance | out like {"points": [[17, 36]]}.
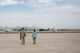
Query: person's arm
{"points": [[36, 34], [20, 35], [25, 34], [32, 34]]}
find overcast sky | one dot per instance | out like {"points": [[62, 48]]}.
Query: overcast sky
{"points": [[40, 13]]}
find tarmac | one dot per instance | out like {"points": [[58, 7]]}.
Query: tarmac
{"points": [[46, 43]]}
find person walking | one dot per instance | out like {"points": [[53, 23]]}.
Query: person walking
{"points": [[34, 35], [22, 36]]}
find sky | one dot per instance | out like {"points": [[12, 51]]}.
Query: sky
{"points": [[40, 13]]}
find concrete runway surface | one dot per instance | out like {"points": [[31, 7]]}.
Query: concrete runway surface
{"points": [[46, 43]]}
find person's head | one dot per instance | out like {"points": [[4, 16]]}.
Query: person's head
{"points": [[22, 28], [34, 30]]}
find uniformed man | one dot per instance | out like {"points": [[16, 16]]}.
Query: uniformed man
{"points": [[22, 36]]}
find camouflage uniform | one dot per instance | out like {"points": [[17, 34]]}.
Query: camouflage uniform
{"points": [[22, 37]]}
